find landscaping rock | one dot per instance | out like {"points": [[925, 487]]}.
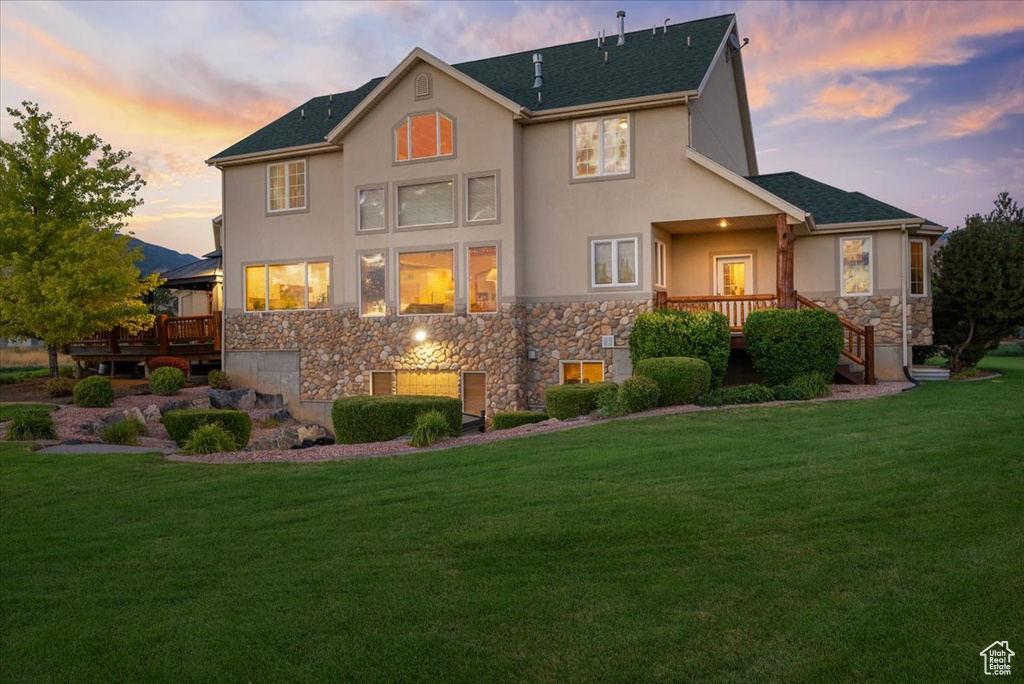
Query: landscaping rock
{"points": [[232, 399], [285, 438], [311, 432], [151, 413], [269, 400], [136, 413], [283, 415], [199, 403], [175, 405]]}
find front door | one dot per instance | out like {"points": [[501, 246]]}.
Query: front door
{"points": [[734, 278]]}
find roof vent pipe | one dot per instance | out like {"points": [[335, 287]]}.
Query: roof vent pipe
{"points": [[622, 27], [689, 42], [538, 67], [664, 31]]}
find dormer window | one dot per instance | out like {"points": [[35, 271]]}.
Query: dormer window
{"points": [[424, 136]]}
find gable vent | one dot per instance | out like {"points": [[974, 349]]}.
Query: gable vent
{"points": [[422, 86]]}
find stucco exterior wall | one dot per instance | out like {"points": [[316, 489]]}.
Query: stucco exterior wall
{"points": [[715, 120], [692, 257]]}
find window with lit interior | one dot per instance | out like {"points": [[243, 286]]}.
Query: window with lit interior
{"points": [[601, 147], [287, 287], [918, 267], [426, 282], [855, 265], [286, 186], [614, 262], [372, 279], [483, 279], [577, 372], [424, 136], [660, 264]]}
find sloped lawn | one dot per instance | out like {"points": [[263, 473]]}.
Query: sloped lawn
{"points": [[879, 540]]}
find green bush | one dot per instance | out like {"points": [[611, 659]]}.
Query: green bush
{"points": [[744, 394], [680, 379], [699, 335], [380, 418], [94, 392], [785, 343], [639, 393], [218, 380], [511, 419], [430, 427], [31, 425], [608, 404], [208, 439], [569, 401], [166, 381], [815, 385], [60, 387], [789, 393], [126, 432], [66, 371], [181, 423]]}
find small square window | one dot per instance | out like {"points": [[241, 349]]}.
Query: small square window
{"points": [[614, 262]]}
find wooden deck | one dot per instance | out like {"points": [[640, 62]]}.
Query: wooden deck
{"points": [[194, 338], [858, 342]]}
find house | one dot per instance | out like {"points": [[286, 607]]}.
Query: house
{"points": [[198, 287], [489, 228]]}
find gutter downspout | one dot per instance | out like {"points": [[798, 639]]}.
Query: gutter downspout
{"points": [[904, 250]]}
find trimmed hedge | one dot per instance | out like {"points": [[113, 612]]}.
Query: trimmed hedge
{"points": [[380, 418], [814, 385], [639, 393], [569, 401], [165, 361], [786, 343], [511, 419], [699, 335], [181, 423], [166, 381], [94, 392], [680, 379]]}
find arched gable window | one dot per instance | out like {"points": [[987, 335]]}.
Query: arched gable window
{"points": [[424, 136]]}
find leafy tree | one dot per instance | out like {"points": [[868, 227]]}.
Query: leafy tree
{"points": [[978, 284], [66, 272]]}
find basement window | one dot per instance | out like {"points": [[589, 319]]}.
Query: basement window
{"points": [[581, 372]]}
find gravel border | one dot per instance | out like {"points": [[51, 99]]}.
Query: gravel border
{"points": [[342, 452]]}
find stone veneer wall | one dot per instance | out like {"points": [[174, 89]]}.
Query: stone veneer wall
{"points": [[886, 314], [338, 349]]}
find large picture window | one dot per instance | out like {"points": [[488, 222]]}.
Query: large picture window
{"points": [[577, 372], [372, 279], [601, 147], [481, 198], [426, 282], [918, 267], [855, 266], [287, 287], [286, 186], [370, 208], [613, 262], [424, 136], [426, 204], [483, 279]]}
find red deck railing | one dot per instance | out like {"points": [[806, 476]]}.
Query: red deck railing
{"points": [[180, 334]]}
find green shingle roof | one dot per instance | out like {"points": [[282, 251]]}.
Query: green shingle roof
{"points": [[828, 204], [574, 74]]}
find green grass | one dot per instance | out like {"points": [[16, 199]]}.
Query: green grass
{"points": [[8, 411], [878, 540]]}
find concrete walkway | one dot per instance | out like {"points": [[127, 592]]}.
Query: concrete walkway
{"points": [[102, 449]]}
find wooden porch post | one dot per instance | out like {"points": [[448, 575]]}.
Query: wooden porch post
{"points": [[161, 334], [660, 299], [216, 330], [784, 289], [113, 340], [869, 354]]}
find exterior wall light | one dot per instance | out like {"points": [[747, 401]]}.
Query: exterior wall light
{"points": [[420, 335], [531, 354]]}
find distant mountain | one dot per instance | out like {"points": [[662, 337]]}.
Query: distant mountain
{"points": [[157, 259]]}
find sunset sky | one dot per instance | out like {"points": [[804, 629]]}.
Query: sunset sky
{"points": [[919, 104]]}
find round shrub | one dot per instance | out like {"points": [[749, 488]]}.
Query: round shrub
{"points": [[679, 379], [608, 404], [363, 419], [126, 432], [699, 335], [511, 419], [814, 385], [182, 422], [639, 393], [60, 387], [431, 426], [168, 361], [31, 425], [208, 439], [94, 392], [569, 401], [218, 380], [166, 381], [785, 343]]}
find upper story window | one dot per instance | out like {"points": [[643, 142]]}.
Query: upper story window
{"points": [[370, 208], [286, 186], [855, 266], [482, 198], [422, 205], [918, 267], [424, 136], [601, 147], [613, 262]]}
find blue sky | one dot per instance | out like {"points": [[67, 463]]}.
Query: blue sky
{"points": [[920, 104]]}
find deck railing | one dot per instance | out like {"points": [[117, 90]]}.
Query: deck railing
{"points": [[735, 308], [179, 332]]}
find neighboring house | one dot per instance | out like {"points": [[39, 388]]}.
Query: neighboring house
{"points": [[490, 228], [198, 287]]}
